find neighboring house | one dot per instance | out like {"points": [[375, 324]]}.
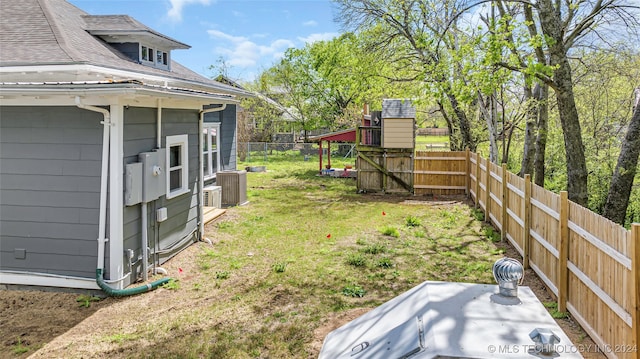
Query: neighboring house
{"points": [[277, 124], [104, 145]]}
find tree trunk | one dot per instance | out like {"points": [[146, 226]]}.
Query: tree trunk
{"points": [[488, 113], [529, 152], [622, 182], [465, 128], [541, 140], [574, 149], [568, 113], [449, 126]]}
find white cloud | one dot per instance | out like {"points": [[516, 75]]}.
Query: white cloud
{"points": [[242, 52], [216, 34], [318, 37], [310, 23], [175, 12]]}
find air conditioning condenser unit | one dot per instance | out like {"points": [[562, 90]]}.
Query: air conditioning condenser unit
{"points": [[212, 196], [234, 187]]}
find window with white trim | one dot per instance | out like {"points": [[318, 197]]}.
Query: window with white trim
{"points": [[177, 165], [210, 149], [156, 58]]}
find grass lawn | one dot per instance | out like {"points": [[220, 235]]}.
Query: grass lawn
{"points": [[439, 143], [431, 139], [308, 247], [303, 257]]}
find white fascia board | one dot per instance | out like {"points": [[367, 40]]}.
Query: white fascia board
{"points": [[84, 72], [44, 95]]}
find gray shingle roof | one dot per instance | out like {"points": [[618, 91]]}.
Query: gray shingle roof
{"points": [[396, 108], [54, 32], [119, 24]]}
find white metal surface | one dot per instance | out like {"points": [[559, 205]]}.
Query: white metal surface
{"points": [[453, 320]]}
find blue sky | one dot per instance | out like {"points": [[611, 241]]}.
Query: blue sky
{"points": [[250, 35]]}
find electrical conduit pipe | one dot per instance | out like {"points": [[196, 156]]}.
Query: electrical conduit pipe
{"points": [[106, 122], [145, 236]]}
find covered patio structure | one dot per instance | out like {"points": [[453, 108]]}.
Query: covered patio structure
{"points": [[339, 136]]}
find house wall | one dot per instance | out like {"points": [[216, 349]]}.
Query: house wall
{"points": [[129, 49], [49, 189], [177, 231], [228, 123]]}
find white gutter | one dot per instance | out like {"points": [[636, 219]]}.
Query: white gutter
{"points": [[90, 72], [102, 221], [7, 91], [200, 161]]}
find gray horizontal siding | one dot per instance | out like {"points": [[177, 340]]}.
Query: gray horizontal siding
{"points": [[79, 136], [48, 167], [53, 151], [46, 214], [50, 263], [227, 120], [140, 136], [182, 210], [37, 227], [49, 189], [86, 247], [52, 199], [54, 183]]}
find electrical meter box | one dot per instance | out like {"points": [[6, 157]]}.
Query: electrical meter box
{"points": [[154, 178], [132, 184]]}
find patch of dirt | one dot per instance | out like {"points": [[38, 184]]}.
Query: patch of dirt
{"points": [[330, 324], [32, 318]]}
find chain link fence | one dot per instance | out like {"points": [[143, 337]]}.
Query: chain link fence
{"points": [[264, 151]]}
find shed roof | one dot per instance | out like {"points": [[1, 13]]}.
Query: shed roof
{"points": [[344, 136], [398, 108]]}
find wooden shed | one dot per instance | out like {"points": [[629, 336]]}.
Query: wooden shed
{"points": [[385, 149], [398, 124]]}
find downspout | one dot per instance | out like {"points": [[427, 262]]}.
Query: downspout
{"points": [[201, 170], [102, 221]]}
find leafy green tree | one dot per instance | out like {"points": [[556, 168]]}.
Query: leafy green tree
{"points": [[414, 34], [325, 84], [563, 24]]}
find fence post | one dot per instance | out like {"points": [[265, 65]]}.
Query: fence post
{"points": [[265, 152], [527, 221], [477, 180], [468, 176], [563, 271], [505, 201], [487, 197], [635, 272]]}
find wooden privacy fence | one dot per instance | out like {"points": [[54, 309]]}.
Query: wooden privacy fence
{"points": [[588, 262]]}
